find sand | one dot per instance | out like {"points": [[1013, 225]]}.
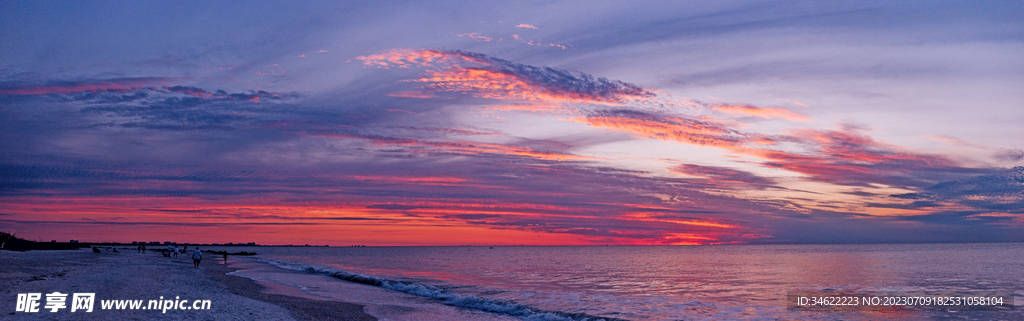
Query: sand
{"points": [[134, 276]]}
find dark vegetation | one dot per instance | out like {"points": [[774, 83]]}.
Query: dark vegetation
{"points": [[11, 242]]}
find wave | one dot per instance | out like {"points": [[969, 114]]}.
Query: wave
{"points": [[444, 296]]}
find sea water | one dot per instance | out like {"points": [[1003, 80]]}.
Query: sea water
{"points": [[648, 282]]}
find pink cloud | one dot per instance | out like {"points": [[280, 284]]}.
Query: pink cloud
{"points": [[763, 112]]}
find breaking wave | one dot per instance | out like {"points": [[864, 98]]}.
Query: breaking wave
{"points": [[444, 296]]}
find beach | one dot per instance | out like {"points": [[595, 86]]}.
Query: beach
{"points": [[129, 275]]}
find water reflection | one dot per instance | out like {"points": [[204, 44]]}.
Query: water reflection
{"points": [[669, 282]]}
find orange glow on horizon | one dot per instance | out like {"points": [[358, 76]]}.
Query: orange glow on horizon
{"points": [[210, 221], [640, 216]]}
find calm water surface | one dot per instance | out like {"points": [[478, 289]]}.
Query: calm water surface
{"points": [[677, 282]]}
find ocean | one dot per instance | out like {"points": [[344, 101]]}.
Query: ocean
{"points": [[723, 282]]}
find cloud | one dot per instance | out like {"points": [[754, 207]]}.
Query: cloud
{"points": [[405, 58], [113, 90], [460, 148], [126, 103], [1010, 155], [253, 96], [488, 77], [844, 157], [523, 25], [474, 36], [960, 218], [1000, 193], [451, 131], [763, 112], [722, 175], [116, 85], [649, 125], [191, 152], [489, 185], [538, 43], [123, 223]]}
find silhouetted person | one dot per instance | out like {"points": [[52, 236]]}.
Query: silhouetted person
{"points": [[143, 249], [197, 256]]}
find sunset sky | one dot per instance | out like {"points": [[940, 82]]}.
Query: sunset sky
{"points": [[489, 123]]}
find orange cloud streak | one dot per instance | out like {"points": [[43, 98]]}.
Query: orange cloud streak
{"points": [[486, 77], [404, 58], [679, 130], [763, 112]]}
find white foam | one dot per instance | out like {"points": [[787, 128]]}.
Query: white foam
{"points": [[384, 304], [444, 296]]}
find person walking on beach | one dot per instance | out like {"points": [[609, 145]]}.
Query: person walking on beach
{"points": [[197, 256]]}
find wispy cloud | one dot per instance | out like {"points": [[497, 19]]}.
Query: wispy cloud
{"points": [[116, 85], [763, 112], [457, 148], [475, 36], [999, 193], [717, 174], [648, 125]]}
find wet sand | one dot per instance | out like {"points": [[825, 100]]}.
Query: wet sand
{"points": [[133, 276]]}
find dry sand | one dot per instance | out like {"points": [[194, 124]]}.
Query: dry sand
{"points": [[134, 276]]}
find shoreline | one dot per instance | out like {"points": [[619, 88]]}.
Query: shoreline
{"points": [[301, 308], [129, 275]]}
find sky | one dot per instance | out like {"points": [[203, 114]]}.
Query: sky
{"points": [[494, 123]]}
